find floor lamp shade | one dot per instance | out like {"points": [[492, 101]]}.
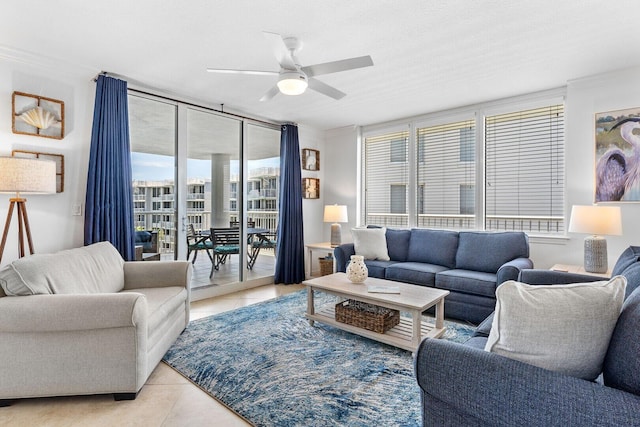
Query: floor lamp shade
{"points": [[596, 221], [335, 214], [27, 176]]}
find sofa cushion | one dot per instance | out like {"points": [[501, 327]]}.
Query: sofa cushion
{"points": [[398, 244], [377, 268], [161, 303], [433, 247], [563, 328], [144, 239], [371, 243], [96, 268], [468, 282], [622, 363], [417, 273], [630, 256], [488, 251]]}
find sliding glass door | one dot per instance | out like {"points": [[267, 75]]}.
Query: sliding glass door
{"points": [[213, 168], [196, 169]]}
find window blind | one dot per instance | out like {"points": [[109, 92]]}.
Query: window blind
{"points": [[385, 167], [446, 175], [524, 182]]}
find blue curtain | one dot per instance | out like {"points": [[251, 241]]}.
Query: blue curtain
{"points": [[109, 201], [290, 248]]}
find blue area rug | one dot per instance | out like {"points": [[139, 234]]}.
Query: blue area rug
{"points": [[266, 363]]}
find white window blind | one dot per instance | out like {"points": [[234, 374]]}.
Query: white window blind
{"points": [[385, 167], [525, 170], [446, 164]]}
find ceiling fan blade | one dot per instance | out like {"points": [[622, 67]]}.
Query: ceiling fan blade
{"points": [[325, 89], [336, 66], [253, 72], [270, 94], [280, 50]]}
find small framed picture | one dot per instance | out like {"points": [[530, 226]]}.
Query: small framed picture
{"points": [[310, 188], [310, 159], [38, 116]]}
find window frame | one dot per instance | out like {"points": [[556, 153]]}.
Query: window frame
{"points": [[479, 112]]}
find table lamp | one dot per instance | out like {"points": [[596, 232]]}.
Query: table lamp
{"points": [[335, 214], [596, 221], [27, 176]]}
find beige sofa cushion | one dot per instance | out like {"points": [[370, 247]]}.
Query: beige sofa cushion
{"points": [[96, 268]]}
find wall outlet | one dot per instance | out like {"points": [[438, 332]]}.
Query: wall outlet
{"points": [[76, 210]]}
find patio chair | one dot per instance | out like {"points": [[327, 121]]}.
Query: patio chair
{"points": [[197, 242], [225, 242]]}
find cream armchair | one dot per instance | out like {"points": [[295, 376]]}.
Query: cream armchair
{"points": [[83, 321]]}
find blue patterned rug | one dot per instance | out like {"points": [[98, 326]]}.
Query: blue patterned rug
{"points": [[268, 365]]}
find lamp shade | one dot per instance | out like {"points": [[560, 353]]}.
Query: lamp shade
{"points": [[596, 220], [29, 176], [335, 213]]}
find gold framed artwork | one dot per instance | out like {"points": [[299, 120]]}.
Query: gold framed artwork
{"points": [[58, 158], [617, 148], [37, 115], [310, 159], [310, 188]]}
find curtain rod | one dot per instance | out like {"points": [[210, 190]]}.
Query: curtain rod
{"points": [[152, 92]]}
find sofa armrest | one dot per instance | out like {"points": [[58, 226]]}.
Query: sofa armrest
{"points": [[343, 254], [499, 391], [72, 312], [551, 277], [510, 270], [157, 274]]}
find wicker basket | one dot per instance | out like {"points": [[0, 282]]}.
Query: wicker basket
{"points": [[367, 316], [326, 266]]}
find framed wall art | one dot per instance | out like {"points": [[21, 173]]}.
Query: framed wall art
{"points": [[310, 159], [37, 115], [310, 188], [58, 158], [617, 153]]}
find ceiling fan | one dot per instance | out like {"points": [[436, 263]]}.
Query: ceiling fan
{"points": [[293, 79]]}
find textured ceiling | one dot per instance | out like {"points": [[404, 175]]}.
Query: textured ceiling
{"points": [[428, 55]]}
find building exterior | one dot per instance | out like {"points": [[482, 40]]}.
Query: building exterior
{"points": [[154, 204]]}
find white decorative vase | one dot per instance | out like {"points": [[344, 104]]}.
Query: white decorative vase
{"points": [[357, 270]]}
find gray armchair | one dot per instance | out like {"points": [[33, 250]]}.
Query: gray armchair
{"points": [[462, 385]]}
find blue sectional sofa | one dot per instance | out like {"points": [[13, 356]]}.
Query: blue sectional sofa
{"points": [[463, 385], [470, 265]]}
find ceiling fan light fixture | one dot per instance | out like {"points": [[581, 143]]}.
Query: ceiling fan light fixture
{"points": [[292, 82]]}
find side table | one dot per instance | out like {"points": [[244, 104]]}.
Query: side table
{"points": [[579, 269], [311, 247]]}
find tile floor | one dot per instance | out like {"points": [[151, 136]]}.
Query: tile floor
{"points": [[167, 399]]}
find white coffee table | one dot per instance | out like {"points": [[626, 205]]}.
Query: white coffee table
{"points": [[412, 299]]}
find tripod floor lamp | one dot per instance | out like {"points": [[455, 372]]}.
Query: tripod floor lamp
{"points": [[24, 176]]}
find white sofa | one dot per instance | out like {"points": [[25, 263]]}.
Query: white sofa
{"points": [[83, 321]]}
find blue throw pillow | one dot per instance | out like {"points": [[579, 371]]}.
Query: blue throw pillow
{"points": [[398, 244], [488, 251], [433, 247], [622, 364]]}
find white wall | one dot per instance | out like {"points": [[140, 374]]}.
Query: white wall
{"points": [[341, 176], [50, 216], [313, 209], [585, 97]]}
